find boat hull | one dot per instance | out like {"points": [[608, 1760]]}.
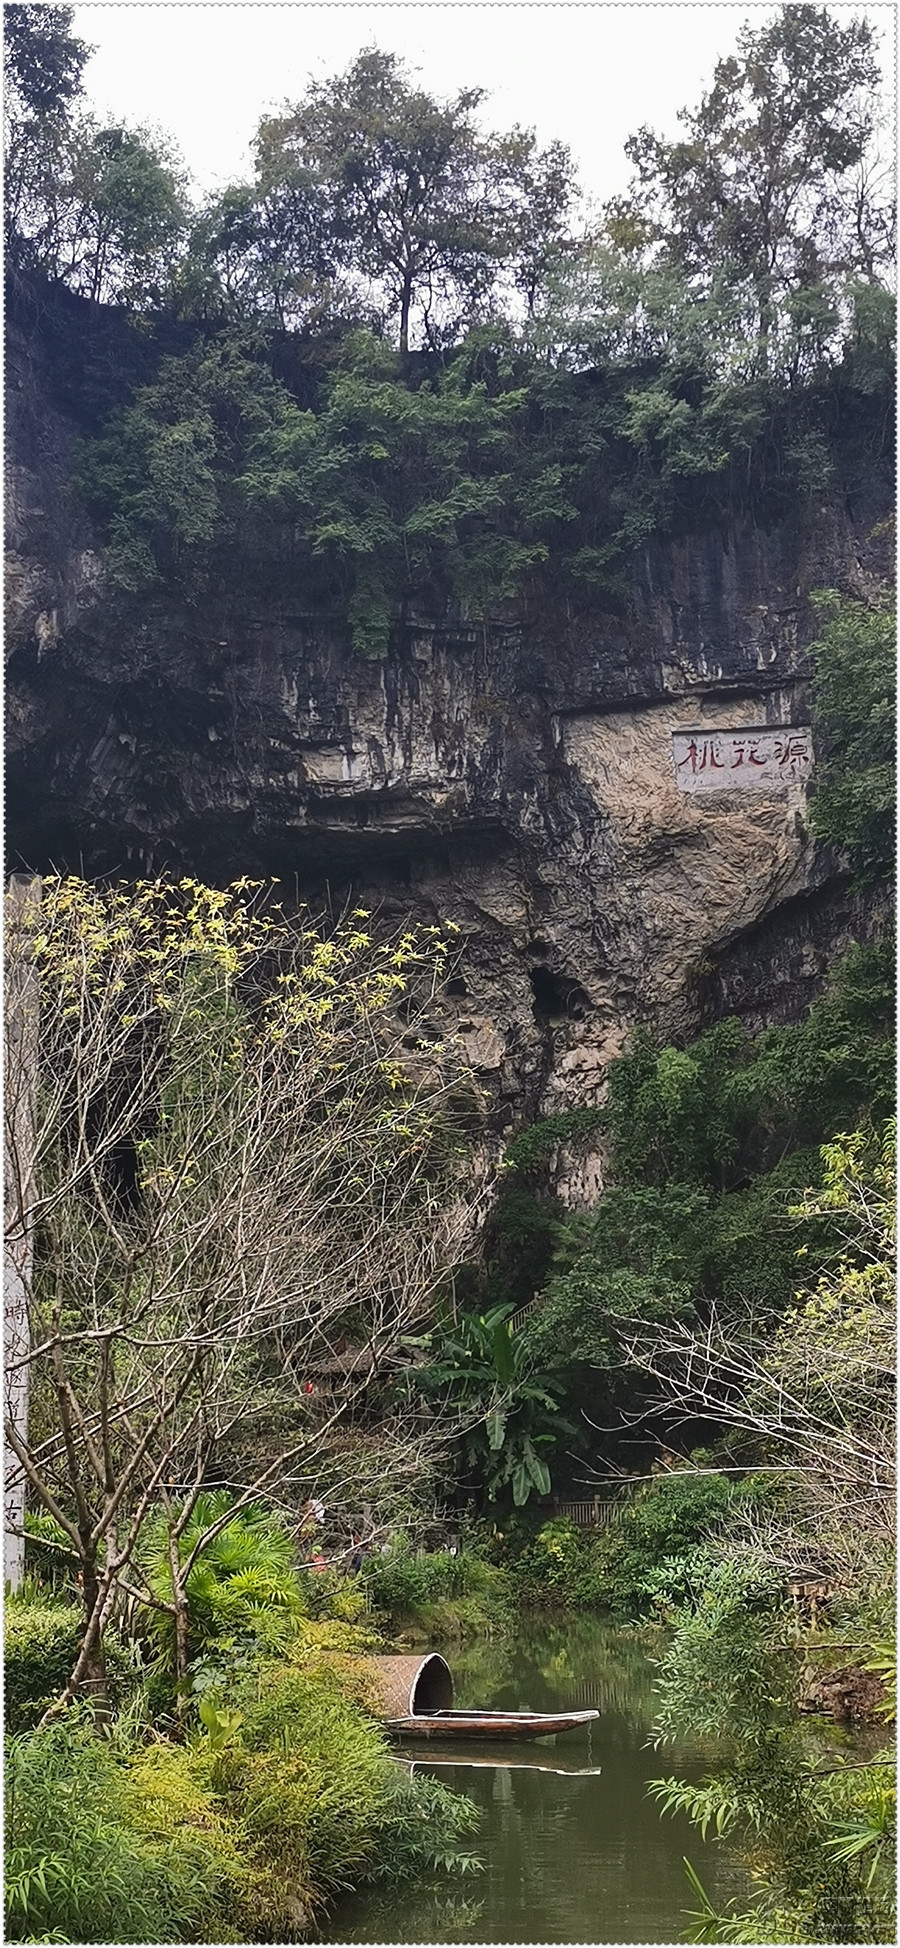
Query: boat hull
{"points": [[489, 1724]]}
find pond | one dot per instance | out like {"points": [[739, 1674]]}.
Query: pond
{"points": [[573, 1848]]}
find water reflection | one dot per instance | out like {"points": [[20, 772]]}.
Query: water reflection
{"points": [[574, 1850]]}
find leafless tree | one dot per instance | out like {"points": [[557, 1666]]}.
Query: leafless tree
{"points": [[240, 1165], [815, 1393]]}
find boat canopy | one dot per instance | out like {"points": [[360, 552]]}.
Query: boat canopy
{"points": [[413, 1687]]}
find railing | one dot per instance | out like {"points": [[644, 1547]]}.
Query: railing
{"points": [[596, 1513], [517, 1319]]}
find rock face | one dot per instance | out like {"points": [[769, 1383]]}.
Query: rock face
{"points": [[525, 780]]}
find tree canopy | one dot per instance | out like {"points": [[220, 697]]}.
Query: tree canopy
{"points": [[774, 177]]}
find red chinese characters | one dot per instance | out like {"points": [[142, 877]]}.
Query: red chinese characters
{"points": [[792, 751], [741, 760], [699, 756]]}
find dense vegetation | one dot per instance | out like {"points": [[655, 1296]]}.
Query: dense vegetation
{"points": [[281, 1795], [395, 370]]}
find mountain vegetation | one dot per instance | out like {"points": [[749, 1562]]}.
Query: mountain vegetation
{"points": [[414, 376], [262, 1302]]}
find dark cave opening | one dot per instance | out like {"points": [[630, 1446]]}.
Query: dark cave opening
{"points": [[557, 997]]}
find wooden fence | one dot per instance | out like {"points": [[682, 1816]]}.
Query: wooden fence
{"points": [[594, 1513], [517, 1319]]}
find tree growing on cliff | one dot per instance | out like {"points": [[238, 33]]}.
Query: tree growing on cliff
{"points": [[237, 1165], [391, 489], [855, 657], [776, 179], [120, 215], [102, 208], [420, 205], [42, 66]]}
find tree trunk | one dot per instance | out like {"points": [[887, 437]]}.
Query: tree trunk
{"points": [[20, 1086], [405, 307], [89, 1669], [182, 1628], [92, 1680]]}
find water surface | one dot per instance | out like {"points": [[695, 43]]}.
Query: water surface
{"points": [[574, 1849]]}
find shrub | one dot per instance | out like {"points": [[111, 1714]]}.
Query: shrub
{"points": [[654, 1554], [82, 1862], [449, 1594], [285, 1795], [41, 1640], [556, 1564], [245, 1583], [820, 1838], [312, 1784]]}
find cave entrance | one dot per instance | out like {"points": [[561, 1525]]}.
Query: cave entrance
{"points": [[557, 997]]}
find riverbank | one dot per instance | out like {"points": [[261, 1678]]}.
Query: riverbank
{"points": [[277, 1791], [246, 1806]]}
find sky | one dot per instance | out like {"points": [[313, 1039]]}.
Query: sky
{"points": [[589, 74]]}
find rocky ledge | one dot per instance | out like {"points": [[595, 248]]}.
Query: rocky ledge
{"points": [[609, 805]]}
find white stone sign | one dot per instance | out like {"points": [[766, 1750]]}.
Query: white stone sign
{"points": [[742, 760]]}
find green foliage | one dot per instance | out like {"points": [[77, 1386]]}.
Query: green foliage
{"points": [[711, 1146], [655, 1555], [448, 488], [103, 208], [48, 1553], [450, 1595], [162, 476], [853, 805], [42, 1636], [818, 1392], [42, 66], [128, 215], [656, 1255], [282, 1796], [772, 147], [391, 489], [731, 1104], [698, 358], [244, 1587], [820, 1837], [484, 1372], [560, 1565], [84, 1860], [534, 1144], [311, 1782], [419, 208], [42, 60]]}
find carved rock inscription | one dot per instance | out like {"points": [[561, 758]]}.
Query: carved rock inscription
{"points": [[741, 760]]}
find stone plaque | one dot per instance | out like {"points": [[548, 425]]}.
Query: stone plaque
{"points": [[742, 760]]}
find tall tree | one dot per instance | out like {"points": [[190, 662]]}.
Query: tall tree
{"points": [[42, 59], [773, 176], [420, 204], [262, 251], [101, 208], [42, 65], [539, 191], [122, 213]]}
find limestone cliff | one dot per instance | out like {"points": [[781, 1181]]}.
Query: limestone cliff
{"points": [[525, 780]]}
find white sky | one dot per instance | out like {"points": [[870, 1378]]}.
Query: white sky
{"points": [[590, 74]]}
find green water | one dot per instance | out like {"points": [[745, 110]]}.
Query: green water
{"points": [[573, 1848]]}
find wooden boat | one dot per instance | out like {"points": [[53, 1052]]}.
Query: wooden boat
{"points": [[498, 1761], [416, 1695], [488, 1724]]}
